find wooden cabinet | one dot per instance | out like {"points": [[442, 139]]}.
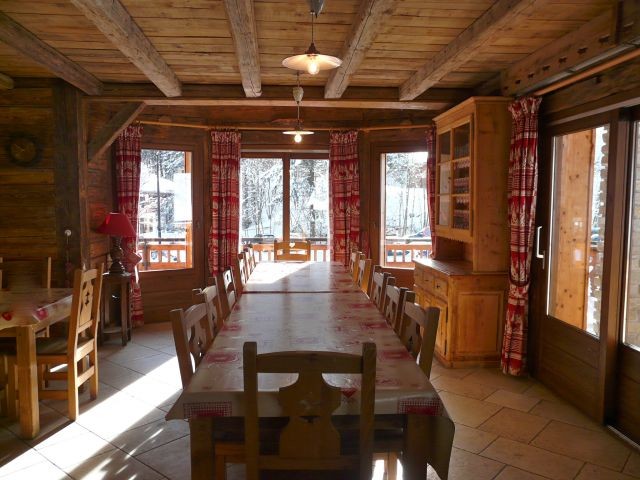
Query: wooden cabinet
{"points": [[472, 310], [472, 162], [468, 279]]}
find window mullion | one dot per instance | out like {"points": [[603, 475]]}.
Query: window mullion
{"points": [[286, 197]]}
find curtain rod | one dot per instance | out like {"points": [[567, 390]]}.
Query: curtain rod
{"points": [[269, 128]]}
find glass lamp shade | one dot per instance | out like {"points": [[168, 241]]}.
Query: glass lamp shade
{"points": [[312, 61], [117, 225]]}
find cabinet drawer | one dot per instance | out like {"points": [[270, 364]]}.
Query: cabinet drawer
{"points": [[426, 279], [440, 287]]}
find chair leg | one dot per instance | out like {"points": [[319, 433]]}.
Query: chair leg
{"points": [[93, 386], [220, 468], [392, 466], [12, 390], [72, 389]]}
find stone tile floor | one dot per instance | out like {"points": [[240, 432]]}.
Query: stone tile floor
{"points": [[506, 428]]}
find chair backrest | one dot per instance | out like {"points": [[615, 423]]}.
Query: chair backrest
{"points": [[85, 306], [192, 335], [353, 261], [378, 286], [393, 305], [364, 274], [211, 299], [251, 259], [391, 281], [298, 251], [16, 273], [418, 333], [309, 441], [238, 267], [356, 265], [227, 290]]}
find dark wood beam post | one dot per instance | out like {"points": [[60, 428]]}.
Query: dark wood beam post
{"points": [[107, 134], [371, 17], [21, 39], [245, 38], [6, 82], [114, 21]]}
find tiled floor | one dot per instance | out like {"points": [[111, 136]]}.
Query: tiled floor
{"points": [[506, 428]]}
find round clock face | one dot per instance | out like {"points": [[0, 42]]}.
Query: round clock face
{"points": [[23, 151]]}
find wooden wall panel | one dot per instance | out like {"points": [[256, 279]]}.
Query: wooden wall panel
{"points": [[628, 414], [27, 215]]}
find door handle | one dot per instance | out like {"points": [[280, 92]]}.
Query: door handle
{"points": [[538, 254]]}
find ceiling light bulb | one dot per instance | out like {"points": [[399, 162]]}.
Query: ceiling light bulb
{"points": [[312, 67], [297, 138]]}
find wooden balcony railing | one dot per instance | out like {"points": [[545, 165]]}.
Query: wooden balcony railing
{"points": [[403, 254], [165, 256], [264, 252]]}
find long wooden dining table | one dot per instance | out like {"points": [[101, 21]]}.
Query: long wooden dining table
{"points": [[23, 314], [289, 314]]}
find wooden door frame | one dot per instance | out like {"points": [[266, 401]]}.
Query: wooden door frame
{"points": [[198, 270], [614, 243]]}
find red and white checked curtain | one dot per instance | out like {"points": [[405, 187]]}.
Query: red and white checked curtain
{"points": [[128, 156], [344, 194], [225, 200], [522, 190], [431, 185]]}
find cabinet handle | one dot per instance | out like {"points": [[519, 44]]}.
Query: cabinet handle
{"points": [[538, 254]]}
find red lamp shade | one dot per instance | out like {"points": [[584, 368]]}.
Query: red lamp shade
{"points": [[117, 225]]}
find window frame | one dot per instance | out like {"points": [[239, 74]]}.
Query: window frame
{"points": [[286, 157]]}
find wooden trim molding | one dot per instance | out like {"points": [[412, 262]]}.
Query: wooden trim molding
{"points": [[22, 40]]}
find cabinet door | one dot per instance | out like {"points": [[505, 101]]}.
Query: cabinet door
{"points": [[442, 343]]}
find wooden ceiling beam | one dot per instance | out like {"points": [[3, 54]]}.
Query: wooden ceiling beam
{"points": [[464, 47], [113, 20], [595, 42], [245, 38], [107, 134], [438, 99], [6, 82], [371, 16], [22, 40]]}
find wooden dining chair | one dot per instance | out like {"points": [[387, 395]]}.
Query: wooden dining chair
{"points": [[364, 275], [20, 272], [210, 296], [297, 251], [228, 295], [238, 267], [192, 335], [418, 333], [355, 258], [394, 302], [379, 281], [78, 351], [309, 441], [250, 258]]}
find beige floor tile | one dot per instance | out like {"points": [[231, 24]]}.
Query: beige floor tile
{"points": [[565, 413], [131, 352], [114, 465], [468, 411], [152, 363], [153, 391], [116, 375], [15, 455], [537, 390], [471, 439], [465, 465], [595, 472], [495, 378], [171, 460], [511, 473], [462, 387], [51, 420], [533, 459], [237, 472], [517, 401], [41, 470], [633, 465], [76, 448], [64, 433], [147, 437], [515, 425], [590, 446], [437, 369]]}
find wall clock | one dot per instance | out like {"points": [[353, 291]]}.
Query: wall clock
{"points": [[23, 150]]}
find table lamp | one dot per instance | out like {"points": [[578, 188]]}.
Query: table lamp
{"points": [[117, 225]]}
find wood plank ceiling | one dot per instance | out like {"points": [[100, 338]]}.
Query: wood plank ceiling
{"points": [[196, 40]]}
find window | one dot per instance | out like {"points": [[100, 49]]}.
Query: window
{"points": [[405, 214], [284, 197], [631, 330], [164, 210]]}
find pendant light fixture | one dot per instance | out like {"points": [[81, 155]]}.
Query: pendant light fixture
{"points": [[298, 132], [312, 61]]}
